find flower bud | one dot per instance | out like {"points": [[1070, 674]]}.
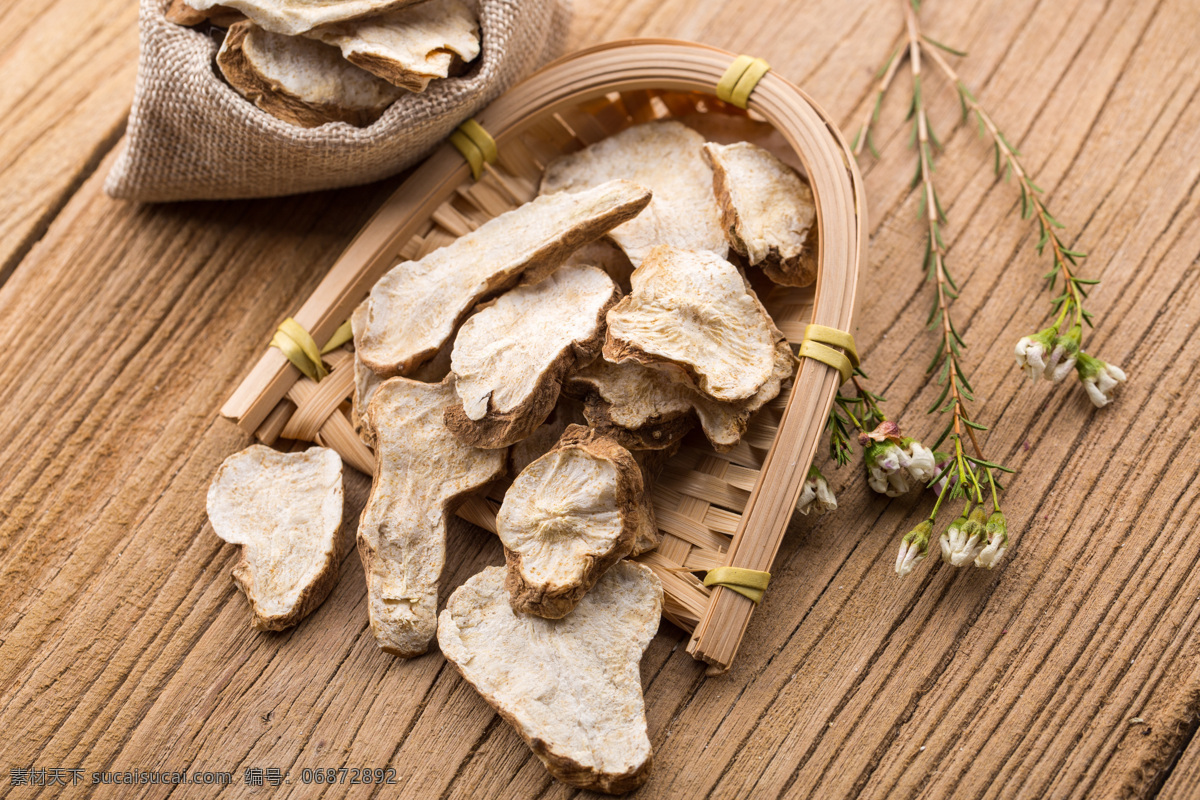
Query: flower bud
{"points": [[816, 494], [1099, 379], [1032, 351], [921, 465], [1063, 356], [914, 547], [997, 541], [884, 463], [964, 539]]}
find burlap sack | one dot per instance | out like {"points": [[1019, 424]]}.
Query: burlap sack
{"points": [[192, 137]]}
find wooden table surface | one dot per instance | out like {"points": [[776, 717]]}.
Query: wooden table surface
{"points": [[1072, 671]]}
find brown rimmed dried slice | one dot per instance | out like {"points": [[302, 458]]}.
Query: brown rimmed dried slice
{"points": [[180, 12], [410, 46], [567, 518], [285, 510], [570, 687], [293, 17], [695, 310], [664, 157], [767, 211], [650, 408], [510, 358], [568, 412], [421, 469], [415, 307], [299, 80]]}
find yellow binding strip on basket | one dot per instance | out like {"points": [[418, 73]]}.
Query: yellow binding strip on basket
{"points": [[740, 79], [476, 145], [817, 339], [749, 583], [301, 349]]}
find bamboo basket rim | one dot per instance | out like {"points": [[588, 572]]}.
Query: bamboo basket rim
{"points": [[624, 66]]}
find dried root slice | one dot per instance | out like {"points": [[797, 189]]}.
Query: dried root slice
{"points": [[665, 157], [411, 46], [567, 518], [299, 80], [181, 13], [652, 409], [420, 470], [365, 380], [415, 307], [293, 17], [695, 310], [607, 256], [509, 359], [767, 212], [285, 510], [570, 687]]}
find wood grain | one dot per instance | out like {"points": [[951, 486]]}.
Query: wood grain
{"points": [[1074, 671]]}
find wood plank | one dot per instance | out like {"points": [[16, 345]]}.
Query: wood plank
{"points": [[68, 71], [124, 645]]}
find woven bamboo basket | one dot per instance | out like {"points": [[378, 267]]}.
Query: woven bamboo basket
{"points": [[715, 509]]}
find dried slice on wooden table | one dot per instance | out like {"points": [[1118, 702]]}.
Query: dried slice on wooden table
{"points": [[285, 510], [415, 307], [665, 157], [293, 17], [300, 80], [767, 211], [651, 407], [567, 518], [509, 359], [695, 310], [411, 46], [420, 470], [571, 687]]}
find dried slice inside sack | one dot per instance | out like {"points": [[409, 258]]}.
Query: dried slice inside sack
{"points": [[293, 17], [415, 307], [767, 211], [509, 359], [300, 80], [652, 409], [285, 510], [695, 310], [181, 13], [665, 157], [420, 470], [411, 46], [570, 687], [567, 518]]}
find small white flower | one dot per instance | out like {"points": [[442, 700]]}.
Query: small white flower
{"points": [[997, 536], [893, 483], [816, 493], [885, 463], [921, 464], [963, 541], [1101, 383], [1032, 351], [825, 499], [1063, 356], [913, 548]]}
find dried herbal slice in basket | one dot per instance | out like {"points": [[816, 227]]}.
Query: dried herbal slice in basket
{"points": [[767, 211], [415, 307], [570, 687], [509, 359], [293, 17], [411, 46], [285, 510], [567, 518], [300, 80], [665, 157], [695, 310], [421, 469], [646, 407]]}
